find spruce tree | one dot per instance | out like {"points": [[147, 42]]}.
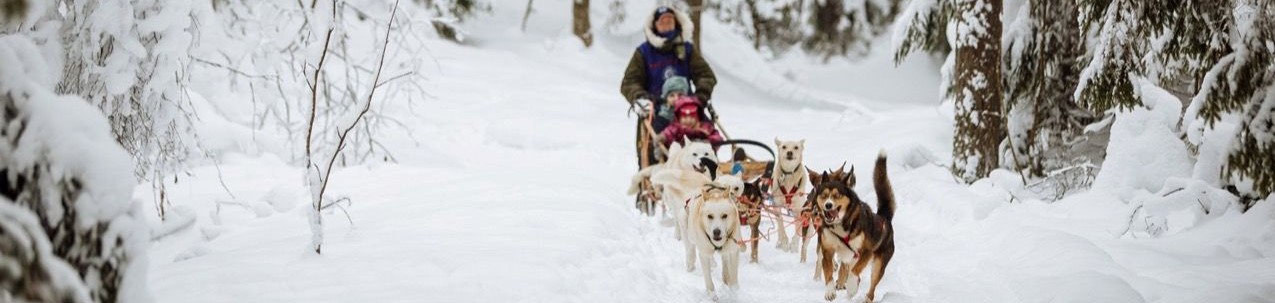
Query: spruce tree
{"points": [[1042, 49], [1243, 82], [1106, 81]]}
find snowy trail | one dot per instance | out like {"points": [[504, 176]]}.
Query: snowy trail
{"points": [[511, 188]]}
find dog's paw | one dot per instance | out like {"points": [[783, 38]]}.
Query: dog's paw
{"points": [[830, 293], [712, 295]]}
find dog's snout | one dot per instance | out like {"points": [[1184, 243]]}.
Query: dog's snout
{"points": [[717, 233], [790, 154], [827, 205]]}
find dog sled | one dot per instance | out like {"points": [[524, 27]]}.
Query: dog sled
{"points": [[651, 152]]}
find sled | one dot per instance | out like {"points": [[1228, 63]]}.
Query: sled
{"points": [[650, 152]]}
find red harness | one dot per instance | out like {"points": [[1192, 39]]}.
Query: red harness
{"points": [[789, 193]]}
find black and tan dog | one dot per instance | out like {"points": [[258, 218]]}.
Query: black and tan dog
{"points": [[852, 236], [750, 207]]}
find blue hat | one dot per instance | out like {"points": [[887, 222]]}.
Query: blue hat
{"points": [[675, 84], [661, 11]]}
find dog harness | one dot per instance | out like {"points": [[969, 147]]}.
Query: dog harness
{"points": [[789, 193], [715, 247]]}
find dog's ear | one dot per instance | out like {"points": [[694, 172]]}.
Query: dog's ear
{"points": [[851, 179], [674, 149], [815, 178], [778, 143], [801, 143]]}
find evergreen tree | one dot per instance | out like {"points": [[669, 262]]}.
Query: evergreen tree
{"points": [[62, 171], [1243, 82], [923, 27], [824, 28], [1042, 50], [840, 28], [1106, 82]]}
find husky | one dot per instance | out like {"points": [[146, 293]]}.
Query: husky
{"points": [[713, 228], [750, 205], [679, 179], [788, 191], [851, 235]]}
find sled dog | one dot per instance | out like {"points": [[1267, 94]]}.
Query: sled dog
{"points": [[713, 229], [788, 190], [680, 178], [852, 236]]}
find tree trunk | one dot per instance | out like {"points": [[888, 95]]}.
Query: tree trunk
{"points": [[758, 29], [526, 15], [580, 12], [980, 123], [697, 6]]}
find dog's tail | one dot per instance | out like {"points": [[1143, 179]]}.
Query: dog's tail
{"points": [[636, 183], [885, 192]]}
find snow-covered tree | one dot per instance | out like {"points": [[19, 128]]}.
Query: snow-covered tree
{"points": [[923, 27], [844, 27], [1188, 38], [32, 273], [130, 58], [1121, 28], [980, 123], [826, 28], [60, 161], [1042, 48], [1243, 82], [774, 26], [972, 74], [449, 14]]}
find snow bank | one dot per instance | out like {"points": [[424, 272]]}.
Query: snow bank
{"points": [[1145, 149]]}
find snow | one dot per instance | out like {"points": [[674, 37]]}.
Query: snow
{"points": [[1145, 149], [511, 188]]}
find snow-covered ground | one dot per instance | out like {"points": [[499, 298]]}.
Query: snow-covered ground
{"points": [[511, 188]]}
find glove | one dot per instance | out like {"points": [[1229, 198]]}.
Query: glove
{"points": [[642, 107]]}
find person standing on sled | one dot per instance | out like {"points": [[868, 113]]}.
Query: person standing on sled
{"points": [[666, 53]]}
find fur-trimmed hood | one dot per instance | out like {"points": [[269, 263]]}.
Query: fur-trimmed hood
{"points": [[683, 21]]}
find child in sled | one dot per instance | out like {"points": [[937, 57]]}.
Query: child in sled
{"points": [[689, 124]]}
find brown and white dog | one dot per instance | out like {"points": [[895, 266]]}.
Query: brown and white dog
{"points": [[852, 236], [788, 189]]}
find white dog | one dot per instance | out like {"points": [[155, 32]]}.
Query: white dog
{"points": [[713, 228], [681, 178]]}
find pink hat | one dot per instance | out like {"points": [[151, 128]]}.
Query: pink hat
{"points": [[687, 106]]}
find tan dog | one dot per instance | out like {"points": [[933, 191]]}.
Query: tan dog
{"points": [[789, 188], [714, 229], [852, 236]]}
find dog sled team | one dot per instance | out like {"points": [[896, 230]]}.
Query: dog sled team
{"points": [[669, 85]]}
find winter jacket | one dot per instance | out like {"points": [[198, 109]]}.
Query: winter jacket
{"points": [[675, 132], [658, 59]]}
